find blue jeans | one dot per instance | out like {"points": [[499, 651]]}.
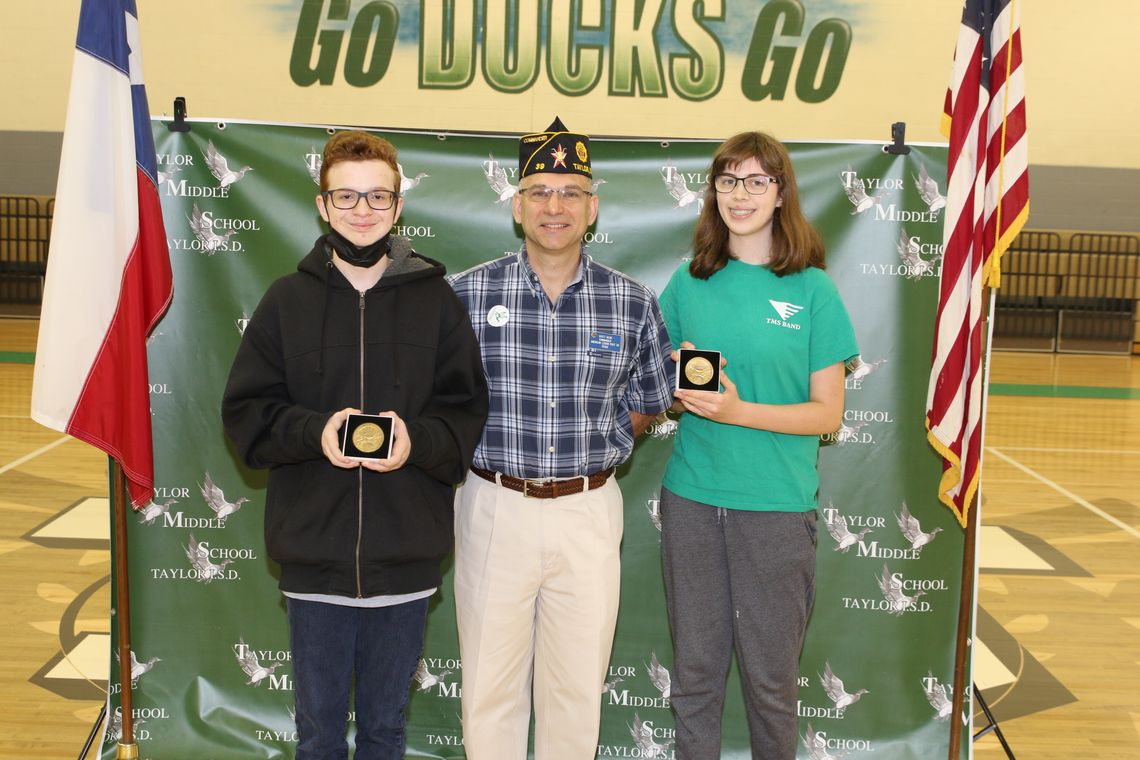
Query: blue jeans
{"points": [[331, 645]]}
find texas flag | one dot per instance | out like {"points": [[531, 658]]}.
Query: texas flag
{"points": [[108, 274]]}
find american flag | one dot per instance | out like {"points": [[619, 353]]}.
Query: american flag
{"points": [[987, 203], [108, 276]]}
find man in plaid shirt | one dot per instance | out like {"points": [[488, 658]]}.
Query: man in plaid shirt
{"points": [[576, 357]]}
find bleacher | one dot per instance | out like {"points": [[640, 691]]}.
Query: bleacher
{"points": [[1069, 292], [1063, 292], [25, 229]]}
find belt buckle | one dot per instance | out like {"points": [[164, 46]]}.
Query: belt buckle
{"points": [[526, 487]]}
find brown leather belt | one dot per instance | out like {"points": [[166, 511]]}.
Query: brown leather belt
{"points": [[545, 489]]}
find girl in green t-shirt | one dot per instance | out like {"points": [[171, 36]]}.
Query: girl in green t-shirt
{"points": [[739, 496]]}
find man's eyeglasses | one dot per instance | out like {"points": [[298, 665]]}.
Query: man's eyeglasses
{"points": [[754, 184], [569, 195], [346, 198]]}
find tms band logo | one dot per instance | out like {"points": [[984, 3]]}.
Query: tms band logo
{"points": [[259, 665], [786, 312], [851, 530], [677, 184]]}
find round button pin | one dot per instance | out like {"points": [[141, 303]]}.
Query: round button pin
{"points": [[498, 316]]}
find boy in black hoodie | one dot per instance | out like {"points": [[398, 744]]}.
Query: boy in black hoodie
{"points": [[364, 324]]}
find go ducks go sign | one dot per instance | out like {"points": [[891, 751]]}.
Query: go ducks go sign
{"points": [[641, 48]]}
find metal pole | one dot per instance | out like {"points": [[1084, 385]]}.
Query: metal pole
{"points": [[127, 749], [94, 732], [962, 638], [967, 600]]}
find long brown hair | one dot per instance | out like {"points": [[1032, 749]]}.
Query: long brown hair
{"points": [[795, 243]]}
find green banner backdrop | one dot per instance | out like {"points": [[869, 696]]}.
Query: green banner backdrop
{"points": [[211, 667]]}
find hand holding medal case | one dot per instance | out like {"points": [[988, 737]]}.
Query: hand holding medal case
{"points": [[366, 436], [698, 370]]}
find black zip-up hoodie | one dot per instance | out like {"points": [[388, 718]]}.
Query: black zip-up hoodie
{"points": [[316, 345]]}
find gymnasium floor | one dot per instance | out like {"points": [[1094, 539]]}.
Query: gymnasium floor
{"points": [[1059, 618]]}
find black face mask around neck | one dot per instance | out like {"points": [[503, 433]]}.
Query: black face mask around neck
{"points": [[359, 256]]}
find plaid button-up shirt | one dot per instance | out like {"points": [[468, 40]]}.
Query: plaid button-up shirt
{"points": [[563, 377]]}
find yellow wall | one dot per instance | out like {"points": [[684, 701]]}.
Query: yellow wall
{"points": [[230, 59]]}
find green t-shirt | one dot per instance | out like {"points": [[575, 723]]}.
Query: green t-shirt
{"points": [[774, 332]]}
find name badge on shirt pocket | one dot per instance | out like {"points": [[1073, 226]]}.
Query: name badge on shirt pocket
{"points": [[600, 341]]}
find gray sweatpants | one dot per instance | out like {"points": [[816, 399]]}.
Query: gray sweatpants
{"points": [[736, 578]]}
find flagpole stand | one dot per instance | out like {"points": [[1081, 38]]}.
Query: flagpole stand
{"points": [[127, 752], [94, 732], [992, 725]]}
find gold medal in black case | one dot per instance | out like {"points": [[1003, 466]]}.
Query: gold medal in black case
{"points": [[366, 436], [698, 370]]}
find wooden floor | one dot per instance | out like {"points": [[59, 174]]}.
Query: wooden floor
{"points": [[1058, 656]]}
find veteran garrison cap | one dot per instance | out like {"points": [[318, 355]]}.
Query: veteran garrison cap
{"points": [[556, 151]]}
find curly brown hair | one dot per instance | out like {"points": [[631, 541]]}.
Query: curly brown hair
{"points": [[353, 145], [795, 243]]}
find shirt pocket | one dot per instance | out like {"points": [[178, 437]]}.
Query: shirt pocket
{"points": [[606, 369]]}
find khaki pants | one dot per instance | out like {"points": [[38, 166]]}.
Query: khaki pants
{"points": [[537, 584]]}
